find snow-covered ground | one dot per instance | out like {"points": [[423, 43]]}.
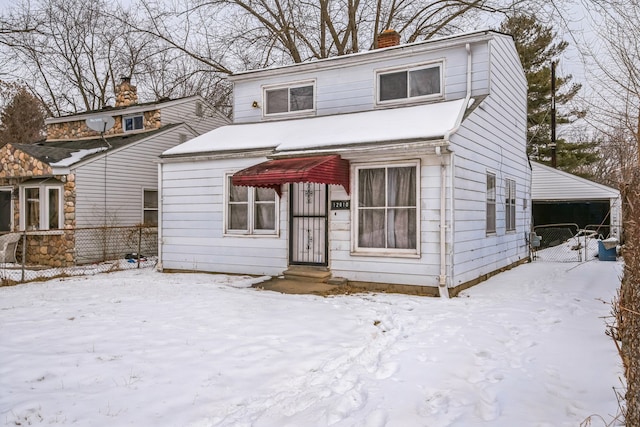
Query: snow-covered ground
{"points": [[142, 348]]}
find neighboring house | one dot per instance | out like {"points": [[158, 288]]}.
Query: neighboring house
{"points": [[79, 178], [560, 197], [402, 168]]}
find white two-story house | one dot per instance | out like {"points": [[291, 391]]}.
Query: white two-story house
{"points": [[401, 168]]}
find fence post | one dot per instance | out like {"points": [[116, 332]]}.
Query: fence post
{"points": [[24, 253], [139, 243]]}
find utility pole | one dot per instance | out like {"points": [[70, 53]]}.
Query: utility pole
{"points": [[554, 162]]}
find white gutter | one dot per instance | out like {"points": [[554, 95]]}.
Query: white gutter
{"points": [[442, 279]]}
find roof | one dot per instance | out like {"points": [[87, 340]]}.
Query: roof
{"points": [[549, 184], [373, 54], [164, 102], [68, 152], [415, 123]]}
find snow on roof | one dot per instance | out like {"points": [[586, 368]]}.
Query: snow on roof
{"points": [[76, 156], [421, 122]]}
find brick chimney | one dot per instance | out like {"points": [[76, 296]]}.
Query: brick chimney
{"points": [[126, 93], [388, 38]]}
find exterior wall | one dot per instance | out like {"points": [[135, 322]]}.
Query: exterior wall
{"points": [[422, 271], [192, 223], [344, 89], [128, 172], [491, 139], [78, 128], [55, 247], [200, 119]]}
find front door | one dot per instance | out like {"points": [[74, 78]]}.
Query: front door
{"points": [[308, 222], [5, 210]]}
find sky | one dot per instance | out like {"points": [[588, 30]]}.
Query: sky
{"points": [[138, 347]]}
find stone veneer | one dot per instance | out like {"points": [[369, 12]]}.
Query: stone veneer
{"points": [[52, 248], [78, 128]]}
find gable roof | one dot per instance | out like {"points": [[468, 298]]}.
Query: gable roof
{"points": [[552, 184], [406, 124], [128, 109], [69, 152], [373, 54]]}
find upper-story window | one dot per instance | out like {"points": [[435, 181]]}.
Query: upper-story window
{"points": [[298, 98], [131, 123], [410, 83]]}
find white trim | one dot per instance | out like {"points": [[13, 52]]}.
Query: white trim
{"points": [[438, 63], [43, 205], [145, 209], [493, 232], [289, 86], [249, 232], [11, 203], [133, 122], [384, 252]]}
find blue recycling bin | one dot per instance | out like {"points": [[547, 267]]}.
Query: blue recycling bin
{"points": [[607, 251]]}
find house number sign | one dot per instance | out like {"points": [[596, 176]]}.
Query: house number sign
{"points": [[340, 204]]}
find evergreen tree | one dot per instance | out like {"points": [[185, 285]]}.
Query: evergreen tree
{"points": [[22, 117], [538, 48]]}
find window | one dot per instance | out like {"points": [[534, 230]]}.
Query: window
{"points": [[132, 123], [41, 207], [411, 83], [491, 202], [387, 210], [289, 99], [150, 207], [250, 210], [510, 204]]}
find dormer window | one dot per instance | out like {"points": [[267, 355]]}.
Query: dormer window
{"points": [[131, 123], [410, 84], [298, 98]]}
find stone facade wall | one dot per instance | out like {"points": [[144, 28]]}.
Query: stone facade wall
{"points": [[78, 129], [51, 248]]}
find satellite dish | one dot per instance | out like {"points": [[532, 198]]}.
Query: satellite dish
{"points": [[101, 123]]}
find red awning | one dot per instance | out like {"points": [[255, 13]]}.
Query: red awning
{"points": [[273, 173]]}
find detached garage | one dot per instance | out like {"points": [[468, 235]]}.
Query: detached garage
{"points": [[560, 197]]}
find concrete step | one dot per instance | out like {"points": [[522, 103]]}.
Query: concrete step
{"points": [[312, 274]]}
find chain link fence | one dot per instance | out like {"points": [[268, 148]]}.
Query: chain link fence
{"points": [[70, 252], [568, 242]]}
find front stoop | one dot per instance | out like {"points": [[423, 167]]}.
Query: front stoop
{"points": [[304, 273]]}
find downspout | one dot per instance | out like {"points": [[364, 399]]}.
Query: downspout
{"points": [[442, 279], [160, 198]]}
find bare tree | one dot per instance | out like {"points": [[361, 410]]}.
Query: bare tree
{"points": [[75, 58], [617, 115], [246, 34]]}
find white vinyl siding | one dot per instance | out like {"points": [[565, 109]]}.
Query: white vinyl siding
{"points": [[351, 88], [193, 215], [121, 202], [201, 119]]}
